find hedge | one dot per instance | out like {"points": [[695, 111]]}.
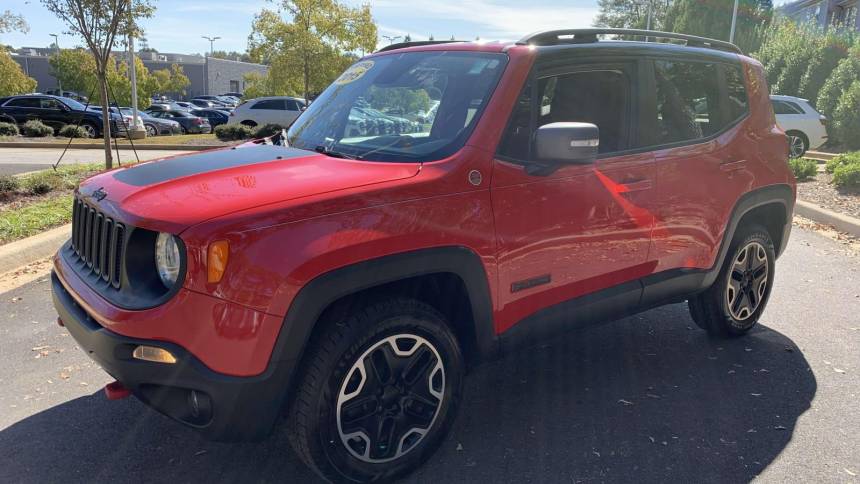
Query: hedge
{"points": [[36, 129]]}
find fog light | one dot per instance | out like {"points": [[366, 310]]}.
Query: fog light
{"points": [[151, 353]]}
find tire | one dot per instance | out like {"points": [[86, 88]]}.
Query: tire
{"points": [[183, 130], [92, 130], [798, 143], [343, 365], [734, 302], [151, 130]]}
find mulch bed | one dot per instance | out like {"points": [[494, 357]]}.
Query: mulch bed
{"points": [[822, 193]]}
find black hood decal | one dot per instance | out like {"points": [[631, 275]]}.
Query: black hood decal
{"points": [[163, 170]]}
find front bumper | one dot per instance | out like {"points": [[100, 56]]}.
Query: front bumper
{"points": [[228, 408]]}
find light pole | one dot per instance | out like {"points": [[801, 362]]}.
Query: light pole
{"points": [[390, 38], [734, 20], [211, 43], [57, 46]]}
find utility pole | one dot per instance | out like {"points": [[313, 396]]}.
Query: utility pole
{"points": [[390, 38], [133, 132], [734, 20], [211, 43], [57, 46]]}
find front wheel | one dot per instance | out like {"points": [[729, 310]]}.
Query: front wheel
{"points": [[733, 304], [378, 392]]}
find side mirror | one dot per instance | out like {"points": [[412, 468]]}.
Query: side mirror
{"points": [[567, 143]]}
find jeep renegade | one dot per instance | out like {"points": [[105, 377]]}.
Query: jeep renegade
{"points": [[439, 204]]}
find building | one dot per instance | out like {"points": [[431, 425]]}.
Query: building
{"points": [[823, 12], [207, 75]]}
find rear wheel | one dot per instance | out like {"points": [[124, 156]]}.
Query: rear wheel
{"points": [[797, 144], [378, 392], [151, 131], [183, 130], [733, 304], [91, 129]]}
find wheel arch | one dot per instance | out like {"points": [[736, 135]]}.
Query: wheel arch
{"points": [[456, 272]]}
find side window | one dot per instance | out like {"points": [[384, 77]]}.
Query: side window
{"points": [[276, 104], [24, 102], [600, 97], [292, 105], [687, 101], [795, 107], [517, 138], [782, 107], [48, 103], [738, 101]]}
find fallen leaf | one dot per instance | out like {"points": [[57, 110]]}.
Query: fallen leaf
{"points": [[849, 472], [651, 395], [651, 439], [755, 394], [838, 370], [625, 402], [200, 452], [780, 427]]}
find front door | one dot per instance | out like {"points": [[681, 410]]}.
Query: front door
{"points": [[581, 228]]}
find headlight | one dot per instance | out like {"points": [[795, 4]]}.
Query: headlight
{"points": [[167, 258]]}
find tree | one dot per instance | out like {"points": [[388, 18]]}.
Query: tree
{"points": [[12, 78], [10, 22], [846, 119], [171, 80], [309, 49], [839, 81], [232, 55], [713, 19], [101, 24], [631, 14], [407, 38]]}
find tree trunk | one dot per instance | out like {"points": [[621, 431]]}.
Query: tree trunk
{"points": [[106, 116]]}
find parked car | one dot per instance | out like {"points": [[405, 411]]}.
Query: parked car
{"points": [[165, 106], [805, 127], [69, 94], [189, 123], [155, 126], [203, 104], [348, 283], [215, 116], [56, 112], [222, 100], [281, 110], [186, 105], [126, 120], [236, 95]]}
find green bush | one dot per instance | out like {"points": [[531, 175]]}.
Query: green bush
{"points": [[36, 129], [847, 176], [8, 184], [42, 182], [846, 118], [232, 132], [803, 168], [73, 131], [841, 160], [267, 130], [839, 81], [8, 129]]}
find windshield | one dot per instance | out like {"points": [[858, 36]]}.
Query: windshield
{"points": [[418, 106], [73, 104]]}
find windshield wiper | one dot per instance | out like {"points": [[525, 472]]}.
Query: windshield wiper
{"points": [[334, 154]]}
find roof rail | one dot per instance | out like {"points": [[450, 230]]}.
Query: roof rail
{"points": [[575, 36], [416, 43]]}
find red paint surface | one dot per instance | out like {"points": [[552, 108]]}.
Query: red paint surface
{"points": [[289, 221]]}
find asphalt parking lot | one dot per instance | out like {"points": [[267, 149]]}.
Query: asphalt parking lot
{"points": [[22, 160], [644, 399]]}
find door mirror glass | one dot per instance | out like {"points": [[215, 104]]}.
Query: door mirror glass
{"points": [[567, 143]]}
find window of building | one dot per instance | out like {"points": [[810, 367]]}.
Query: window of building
{"points": [[687, 101], [234, 86]]}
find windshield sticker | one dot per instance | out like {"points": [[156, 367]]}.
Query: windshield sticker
{"points": [[354, 73]]}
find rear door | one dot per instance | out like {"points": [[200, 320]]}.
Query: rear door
{"points": [[270, 111], [581, 228], [697, 119]]}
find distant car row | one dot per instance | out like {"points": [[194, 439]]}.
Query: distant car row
{"points": [[56, 111]]}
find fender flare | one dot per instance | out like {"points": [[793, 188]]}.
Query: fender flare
{"points": [[318, 294]]}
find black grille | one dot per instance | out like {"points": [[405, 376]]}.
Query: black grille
{"points": [[98, 242]]}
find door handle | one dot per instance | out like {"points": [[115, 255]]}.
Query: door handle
{"points": [[733, 165], [636, 186]]}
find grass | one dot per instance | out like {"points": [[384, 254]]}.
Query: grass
{"points": [[40, 201], [33, 218]]}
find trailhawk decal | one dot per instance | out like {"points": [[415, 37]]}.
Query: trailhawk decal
{"points": [[188, 165]]}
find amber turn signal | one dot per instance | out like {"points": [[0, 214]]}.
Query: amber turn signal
{"points": [[216, 260], [151, 353]]}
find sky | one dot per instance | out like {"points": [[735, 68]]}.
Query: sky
{"points": [[178, 25]]}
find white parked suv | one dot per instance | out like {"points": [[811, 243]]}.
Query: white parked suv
{"points": [[281, 110], [805, 127]]}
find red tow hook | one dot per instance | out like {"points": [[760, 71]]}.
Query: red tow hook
{"points": [[116, 391]]}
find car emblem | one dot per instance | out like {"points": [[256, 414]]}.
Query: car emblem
{"points": [[99, 194]]}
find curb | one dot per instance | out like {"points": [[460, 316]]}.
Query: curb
{"points": [[25, 251], [99, 146], [819, 155], [815, 213]]}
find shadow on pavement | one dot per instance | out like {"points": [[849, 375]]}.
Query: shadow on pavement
{"points": [[647, 398]]}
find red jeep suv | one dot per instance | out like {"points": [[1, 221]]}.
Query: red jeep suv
{"points": [[439, 204]]}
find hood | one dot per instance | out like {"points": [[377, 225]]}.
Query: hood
{"points": [[172, 194]]}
